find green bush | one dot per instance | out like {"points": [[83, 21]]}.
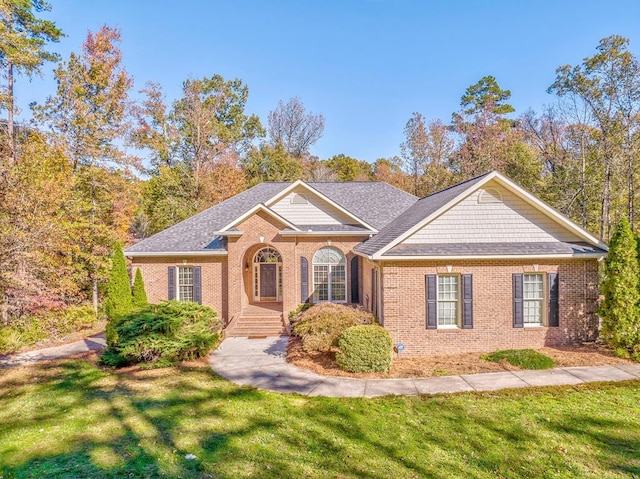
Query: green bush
{"points": [[321, 325], [53, 324], [620, 290], [522, 358], [118, 299], [162, 334], [365, 349], [139, 298], [294, 316]]}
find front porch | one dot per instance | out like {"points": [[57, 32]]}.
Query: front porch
{"points": [[259, 319]]}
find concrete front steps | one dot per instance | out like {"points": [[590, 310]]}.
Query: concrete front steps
{"points": [[258, 321]]}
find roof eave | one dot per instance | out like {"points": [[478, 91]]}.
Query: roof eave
{"points": [[327, 233], [488, 257], [140, 254]]}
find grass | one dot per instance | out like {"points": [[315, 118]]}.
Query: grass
{"points": [[522, 358], [71, 419]]}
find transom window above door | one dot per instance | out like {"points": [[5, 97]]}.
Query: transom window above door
{"points": [[267, 255], [329, 275]]}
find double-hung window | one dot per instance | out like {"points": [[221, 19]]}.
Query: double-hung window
{"points": [[533, 299], [448, 301], [329, 275], [185, 283]]}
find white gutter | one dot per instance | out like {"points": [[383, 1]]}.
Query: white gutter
{"points": [[480, 257], [134, 254], [326, 233]]}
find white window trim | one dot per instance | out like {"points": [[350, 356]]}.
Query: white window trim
{"points": [[458, 302], [545, 301], [178, 268], [330, 265]]}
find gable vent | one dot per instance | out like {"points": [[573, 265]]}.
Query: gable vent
{"points": [[298, 199], [489, 196]]}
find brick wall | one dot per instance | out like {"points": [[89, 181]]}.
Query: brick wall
{"points": [[214, 278], [405, 310]]}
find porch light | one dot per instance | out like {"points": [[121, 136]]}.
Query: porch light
{"points": [[246, 266], [261, 239]]}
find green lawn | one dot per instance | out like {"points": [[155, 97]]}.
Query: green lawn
{"points": [[71, 419]]}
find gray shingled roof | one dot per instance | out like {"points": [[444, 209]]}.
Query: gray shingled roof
{"points": [[414, 215], [375, 203], [198, 232], [489, 249]]}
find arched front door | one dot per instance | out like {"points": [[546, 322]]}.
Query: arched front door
{"points": [[267, 275]]}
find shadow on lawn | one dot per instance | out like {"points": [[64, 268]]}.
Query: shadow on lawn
{"points": [[142, 424]]}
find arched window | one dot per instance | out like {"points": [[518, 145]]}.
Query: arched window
{"points": [[329, 275], [267, 255]]}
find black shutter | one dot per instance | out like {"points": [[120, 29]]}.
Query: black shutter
{"points": [[518, 311], [554, 296], [197, 284], [304, 280], [171, 281], [355, 281], [431, 295], [467, 301], [374, 292]]}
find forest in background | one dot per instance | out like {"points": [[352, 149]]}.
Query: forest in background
{"points": [[97, 165]]}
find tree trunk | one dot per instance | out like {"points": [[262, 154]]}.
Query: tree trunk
{"points": [[606, 202], [583, 186], [630, 186], [94, 291], [10, 106]]}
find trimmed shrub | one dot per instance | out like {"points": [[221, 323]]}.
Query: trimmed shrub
{"points": [[522, 358], [365, 349], [620, 287], [160, 335], [294, 316], [321, 325], [117, 301], [54, 324], [139, 298]]}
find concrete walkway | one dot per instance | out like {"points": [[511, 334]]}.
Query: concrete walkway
{"points": [[262, 363], [92, 343]]}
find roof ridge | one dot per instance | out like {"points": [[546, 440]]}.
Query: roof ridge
{"points": [[457, 184]]}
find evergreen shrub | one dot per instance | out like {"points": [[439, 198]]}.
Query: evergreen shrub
{"points": [[118, 299], [160, 335], [139, 295], [365, 349], [620, 287], [320, 326]]}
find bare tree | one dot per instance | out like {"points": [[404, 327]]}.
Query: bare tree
{"points": [[290, 125]]}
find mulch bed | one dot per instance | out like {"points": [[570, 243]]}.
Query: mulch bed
{"points": [[584, 354]]}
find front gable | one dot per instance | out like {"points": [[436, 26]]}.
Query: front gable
{"points": [[302, 207], [492, 214]]}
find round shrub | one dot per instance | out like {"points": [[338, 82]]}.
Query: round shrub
{"points": [[162, 334], [320, 326], [365, 349]]}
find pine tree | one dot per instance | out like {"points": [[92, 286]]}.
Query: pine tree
{"points": [[118, 300], [619, 310], [139, 294]]}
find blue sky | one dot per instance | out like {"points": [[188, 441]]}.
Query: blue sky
{"points": [[365, 64]]}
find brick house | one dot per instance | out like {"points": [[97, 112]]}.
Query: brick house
{"points": [[479, 266]]}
